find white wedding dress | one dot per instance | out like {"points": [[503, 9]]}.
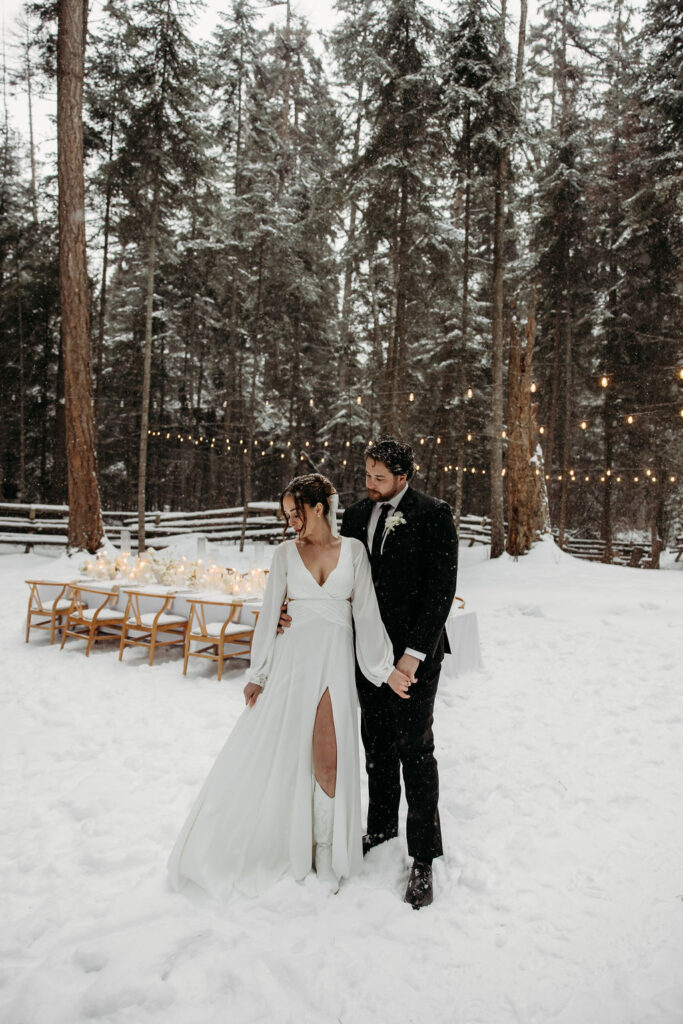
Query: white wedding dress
{"points": [[252, 821]]}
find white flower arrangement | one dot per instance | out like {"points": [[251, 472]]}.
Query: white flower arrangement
{"points": [[394, 520]]}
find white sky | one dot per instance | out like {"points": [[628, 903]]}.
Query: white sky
{"points": [[319, 14]]}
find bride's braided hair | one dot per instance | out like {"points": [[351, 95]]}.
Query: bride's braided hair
{"points": [[308, 490]]}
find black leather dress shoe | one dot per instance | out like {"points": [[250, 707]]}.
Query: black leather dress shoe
{"points": [[419, 892], [370, 841]]}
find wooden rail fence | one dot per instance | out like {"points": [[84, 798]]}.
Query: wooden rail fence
{"points": [[38, 525]]}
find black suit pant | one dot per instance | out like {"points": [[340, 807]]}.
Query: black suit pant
{"points": [[398, 734]]}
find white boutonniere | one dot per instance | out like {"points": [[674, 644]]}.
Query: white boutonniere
{"points": [[394, 520]]}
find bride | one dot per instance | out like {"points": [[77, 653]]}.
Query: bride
{"points": [[284, 792]]}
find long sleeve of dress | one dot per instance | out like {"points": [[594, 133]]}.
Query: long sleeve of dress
{"points": [[265, 634], [373, 646]]}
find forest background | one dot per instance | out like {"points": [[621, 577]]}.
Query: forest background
{"points": [[316, 239]]}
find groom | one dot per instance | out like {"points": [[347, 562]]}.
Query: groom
{"points": [[413, 548]]}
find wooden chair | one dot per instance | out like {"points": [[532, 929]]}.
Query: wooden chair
{"points": [[143, 629], [52, 612], [100, 621], [217, 632]]}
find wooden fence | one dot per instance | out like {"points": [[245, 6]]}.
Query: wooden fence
{"points": [[38, 525]]}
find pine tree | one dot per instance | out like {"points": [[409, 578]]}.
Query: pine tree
{"points": [[85, 520]]}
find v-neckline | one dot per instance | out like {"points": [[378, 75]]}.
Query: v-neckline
{"points": [[320, 585]]}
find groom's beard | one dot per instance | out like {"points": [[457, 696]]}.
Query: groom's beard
{"points": [[376, 496]]}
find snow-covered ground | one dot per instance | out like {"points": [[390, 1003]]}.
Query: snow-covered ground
{"points": [[560, 898]]}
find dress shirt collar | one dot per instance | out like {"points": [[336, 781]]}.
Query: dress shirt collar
{"points": [[395, 500]]}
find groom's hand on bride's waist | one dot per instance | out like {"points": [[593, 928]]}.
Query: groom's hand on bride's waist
{"points": [[285, 620]]}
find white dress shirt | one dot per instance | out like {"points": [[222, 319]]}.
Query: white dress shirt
{"points": [[372, 524]]}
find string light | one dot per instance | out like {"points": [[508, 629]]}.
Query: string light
{"points": [[533, 388], [583, 425], [604, 382], [629, 419], [469, 392], [541, 430], [575, 475], [411, 397]]}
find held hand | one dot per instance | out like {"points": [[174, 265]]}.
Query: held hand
{"points": [[285, 619], [251, 693], [408, 665], [399, 683]]}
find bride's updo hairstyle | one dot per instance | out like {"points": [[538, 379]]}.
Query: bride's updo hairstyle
{"points": [[308, 490]]}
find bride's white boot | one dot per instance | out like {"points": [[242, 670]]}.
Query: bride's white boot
{"points": [[323, 824]]}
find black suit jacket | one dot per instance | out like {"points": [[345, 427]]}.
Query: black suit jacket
{"points": [[415, 575]]}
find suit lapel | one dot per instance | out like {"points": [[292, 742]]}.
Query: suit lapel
{"points": [[362, 514]]}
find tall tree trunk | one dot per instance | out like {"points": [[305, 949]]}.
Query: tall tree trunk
{"points": [[526, 492], [102, 312], [377, 371], [568, 408], [21, 491], [497, 509], [58, 490], [147, 363], [554, 384], [349, 263], [85, 519], [498, 299], [249, 457], [28, 71], [461, 425]]}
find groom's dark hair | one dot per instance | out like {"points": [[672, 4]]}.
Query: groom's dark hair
{"points": [[397, 456]]}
